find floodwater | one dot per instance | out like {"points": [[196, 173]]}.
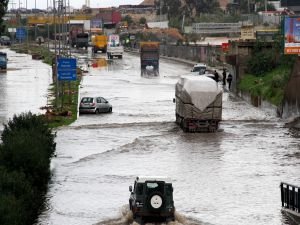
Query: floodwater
{"points": [[24, 86], [228, 177], [223, 178]]}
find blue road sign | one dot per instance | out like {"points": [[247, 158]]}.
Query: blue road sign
{"points": [[66, 69], [68, 75], [20, 33], [66, 64]]}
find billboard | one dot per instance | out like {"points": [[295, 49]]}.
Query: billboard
{"points": [[289, 3], [247, 32], [96, 23], [292, 35]]}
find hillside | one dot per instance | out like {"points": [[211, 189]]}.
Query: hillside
{"points": [[148, 2]]}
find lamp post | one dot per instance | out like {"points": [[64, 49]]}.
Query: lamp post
{"points": [[266, 6]]}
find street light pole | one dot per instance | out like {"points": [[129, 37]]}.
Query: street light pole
{"points": [[266, 6]]}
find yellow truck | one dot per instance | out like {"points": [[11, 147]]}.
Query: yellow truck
{"points": [[99, 43]]}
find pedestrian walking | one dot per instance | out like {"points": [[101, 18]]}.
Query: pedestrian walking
{"points": [[229, 80], [224, 77], [216, 76]]}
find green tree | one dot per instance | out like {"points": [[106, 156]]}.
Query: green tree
{"points": [[3, 9], [142, 20], [270, 7], [128, 19]]}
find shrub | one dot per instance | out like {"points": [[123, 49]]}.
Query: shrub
{"points": [[261, 63], [25, 154], [18, 204]]}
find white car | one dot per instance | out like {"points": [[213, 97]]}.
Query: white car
{"points": [[94, 105], [199, 69]]}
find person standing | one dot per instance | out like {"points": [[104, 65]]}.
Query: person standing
{"points": [[224, 76], [229, 80], [216, 76]]}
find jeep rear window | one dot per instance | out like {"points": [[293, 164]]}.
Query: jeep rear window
{"points": [[155, 186], [152, 185]]}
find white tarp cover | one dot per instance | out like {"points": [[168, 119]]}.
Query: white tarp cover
{"points": [[201, 89]]}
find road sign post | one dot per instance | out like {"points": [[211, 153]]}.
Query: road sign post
{"points": [[20, 34], [66, 69]]}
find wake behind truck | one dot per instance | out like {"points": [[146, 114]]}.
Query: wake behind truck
{"points": [[198, 104], [149, 55]]}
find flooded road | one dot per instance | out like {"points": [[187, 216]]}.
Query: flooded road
{"points": [[228, 177], [24, 86]]}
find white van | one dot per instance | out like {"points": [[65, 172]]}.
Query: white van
{"points": [[199, 69]]}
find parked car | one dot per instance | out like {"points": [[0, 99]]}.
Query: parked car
{"points": [[5, 40], [151, 198], [199, 69], [3, 60], [94, 105]]}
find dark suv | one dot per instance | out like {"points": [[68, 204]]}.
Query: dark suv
{"points": [[151, 198]]}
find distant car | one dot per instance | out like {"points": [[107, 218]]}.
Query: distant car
{"points": [[94, 105], [151, 198], [199, 69], [40, 40], [5, 40], [3, 60]]}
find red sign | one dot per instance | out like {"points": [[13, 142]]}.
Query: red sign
{"points": [[225, 47]]}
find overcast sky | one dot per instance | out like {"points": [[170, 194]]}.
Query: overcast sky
{"points": [[42, 4]]}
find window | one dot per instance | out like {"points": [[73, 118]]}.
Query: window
{"points": [[87, 100], [99, 100]]}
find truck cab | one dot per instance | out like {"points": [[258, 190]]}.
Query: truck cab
{"points": [[149, 55], [3, 60], [82, 40], [99, 43], [114, 47]]}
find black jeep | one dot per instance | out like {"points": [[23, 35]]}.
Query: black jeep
{"points": [[151, 199]]}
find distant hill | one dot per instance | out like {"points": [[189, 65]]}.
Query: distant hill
{"points": [[148, 2]]}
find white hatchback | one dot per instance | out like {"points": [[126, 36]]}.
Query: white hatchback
{"points": [[94, 105]]}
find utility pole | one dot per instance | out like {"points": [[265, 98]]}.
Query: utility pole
{"points": [[248, 6], [48, 33], [266, 6], [12, 3]]}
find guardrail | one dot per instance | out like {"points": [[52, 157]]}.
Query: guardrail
{"points": [[290, 197]]}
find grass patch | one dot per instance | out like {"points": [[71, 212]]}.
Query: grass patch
{"points": [[270, 86]]}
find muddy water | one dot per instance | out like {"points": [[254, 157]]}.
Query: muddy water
{"points": [[24, 86], [228, 177]]}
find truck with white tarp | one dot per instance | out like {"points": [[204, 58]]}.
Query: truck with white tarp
{"points": [[198, 103]]}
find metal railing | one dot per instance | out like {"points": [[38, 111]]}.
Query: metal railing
{"points": [[290, 197]]}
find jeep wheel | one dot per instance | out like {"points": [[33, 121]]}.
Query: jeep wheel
{"points": [[156, 201]]}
